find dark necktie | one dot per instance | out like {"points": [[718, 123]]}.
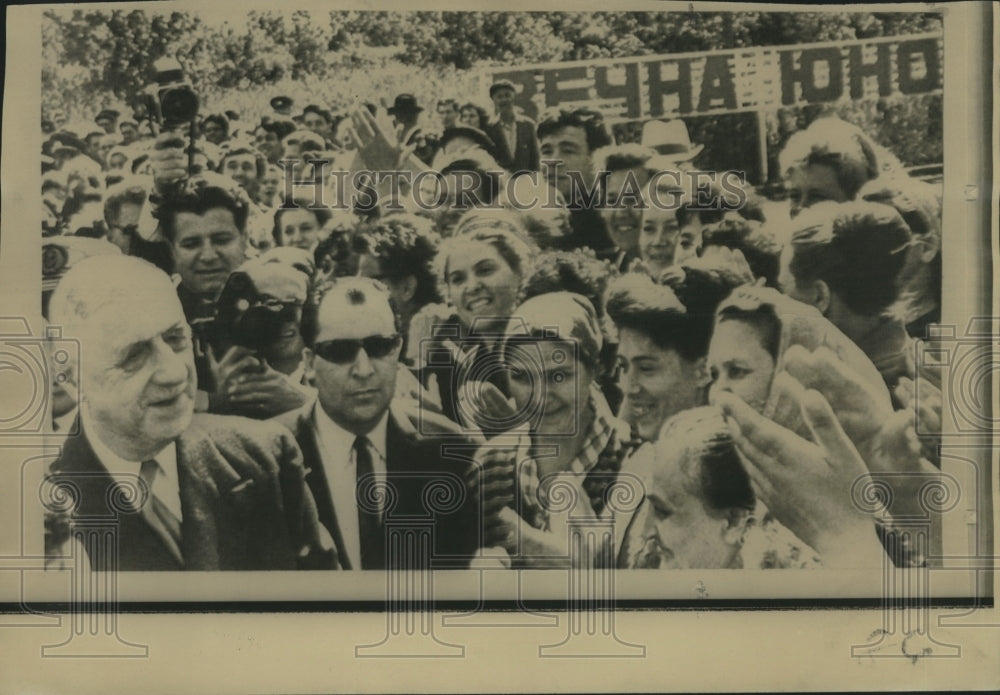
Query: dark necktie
{"points": [[369, 524], [157, 515]]}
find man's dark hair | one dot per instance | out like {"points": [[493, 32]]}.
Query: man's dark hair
{"points": [[309, 326], [319, 111], [199, 199], [856, 248], [636, 303], [219, 119], [759, 246], [282, 127], [484, 117], [404, 247], [485, 170], [554, 120]]}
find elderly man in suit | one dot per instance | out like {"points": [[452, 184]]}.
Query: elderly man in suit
{"points": [[186, 492], [375, 462]]}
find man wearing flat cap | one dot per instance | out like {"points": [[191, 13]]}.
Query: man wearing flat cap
{"points": [[108, 120], [282, 105], [514, 134]]}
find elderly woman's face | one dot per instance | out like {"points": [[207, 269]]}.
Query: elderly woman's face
{"points": [[549, 384], [480, 284], [739, 363], [675, 528]]}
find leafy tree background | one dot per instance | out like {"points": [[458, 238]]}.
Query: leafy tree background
{"points": [[96, 58]]}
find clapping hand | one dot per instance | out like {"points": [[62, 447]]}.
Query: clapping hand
{"points": [[481, 405], [493, 479], [245, 385]]}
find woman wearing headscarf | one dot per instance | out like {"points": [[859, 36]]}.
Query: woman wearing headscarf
{"points": [[771, 358], [563, 448]]}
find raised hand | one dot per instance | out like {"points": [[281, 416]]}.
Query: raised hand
{"points": [[168, 161], [421, 330], [861, 407], [377, 145], [809, 486], [481, 405]]}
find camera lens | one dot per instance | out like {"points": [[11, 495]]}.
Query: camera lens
{"points": [[179, 105]]}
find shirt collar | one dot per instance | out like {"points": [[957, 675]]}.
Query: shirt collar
{"points": [[115, 464], [336, 437], [297, 378]]}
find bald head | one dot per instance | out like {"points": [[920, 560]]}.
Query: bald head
{"points": [[136, 373], [109, 284], [355, 304]]}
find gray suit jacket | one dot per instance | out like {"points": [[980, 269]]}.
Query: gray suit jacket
{"points": [[244, 503]]}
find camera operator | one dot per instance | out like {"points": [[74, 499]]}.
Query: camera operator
{"points": [[257, 335], [246, 334], [204, 221]]}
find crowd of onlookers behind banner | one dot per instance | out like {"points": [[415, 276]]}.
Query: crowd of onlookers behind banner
{"points": [[752, 363]]}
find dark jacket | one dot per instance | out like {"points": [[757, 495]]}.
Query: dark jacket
{"points": [[525, 156], [244, 503], [427, 461]]}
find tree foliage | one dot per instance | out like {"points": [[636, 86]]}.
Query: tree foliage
{"points": [[94, 58]]}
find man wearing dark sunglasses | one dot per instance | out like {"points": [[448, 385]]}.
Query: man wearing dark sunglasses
{"points": [[358, 432]]}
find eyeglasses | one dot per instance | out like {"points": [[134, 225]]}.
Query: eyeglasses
{"points": [[346, 351]]}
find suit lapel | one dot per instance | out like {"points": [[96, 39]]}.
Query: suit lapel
{"points": [[319, 487], [140, 546]]}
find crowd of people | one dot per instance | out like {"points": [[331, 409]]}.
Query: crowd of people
{"points": [[288, 355]]}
